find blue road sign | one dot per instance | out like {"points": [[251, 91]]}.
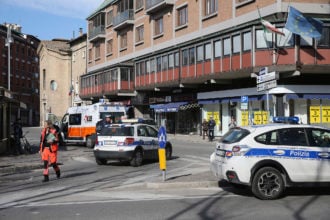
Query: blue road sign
{"points": [[162, 137], [244, 99]]}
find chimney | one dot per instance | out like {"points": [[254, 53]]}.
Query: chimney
{"points": [[80, 31]]}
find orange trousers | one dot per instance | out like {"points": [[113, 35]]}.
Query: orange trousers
{"points": [[49, 158]]}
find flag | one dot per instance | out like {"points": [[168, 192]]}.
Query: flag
{"points": [[271, 27], [302, 25]]}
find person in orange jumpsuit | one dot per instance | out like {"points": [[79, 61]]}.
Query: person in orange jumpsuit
{"points": [[48, 149]]}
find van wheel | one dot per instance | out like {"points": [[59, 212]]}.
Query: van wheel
{"points": [[100, 161], [137, 158], [89, 142], [268, 184]]}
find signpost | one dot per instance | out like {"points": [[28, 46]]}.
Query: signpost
{"points": [[162, 138], [265, 81], [244, 102]]}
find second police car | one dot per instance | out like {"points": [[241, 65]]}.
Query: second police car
{"points": [[133, 140], [269, 158]]}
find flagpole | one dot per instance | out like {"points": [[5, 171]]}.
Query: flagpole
{"points": [[265, 38]]}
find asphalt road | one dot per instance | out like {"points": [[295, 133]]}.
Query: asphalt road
{"points": [[119, 191]]}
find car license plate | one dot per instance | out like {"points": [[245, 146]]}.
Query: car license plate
{"points": [[110, 142], [220, 153]]}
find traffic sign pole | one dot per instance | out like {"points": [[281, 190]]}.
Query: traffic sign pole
{"points": [[162, 138]]}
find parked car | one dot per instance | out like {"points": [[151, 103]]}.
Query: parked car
{"points": [[269, 158], [133, 142]]}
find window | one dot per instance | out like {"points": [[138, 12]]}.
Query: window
{"points": [[109, 17], [177, 59], [44, 79], [142, 69], [293, 137], [159, 64], [285, 41], [247, 41], [152, 65], [171, 60], [217, 48], [148, 66], [90, 55], [75, 119], [182, 14], [208, 51], [97, 51], [264, 39], [159, 26], [164, 62], [109, 46], [192, 56], [123, 41], [185, 57], [53, 85], [236, 44], [226, 46], [325, 38], [210, 7], [139, 33], [200, 53], [138, 4]]}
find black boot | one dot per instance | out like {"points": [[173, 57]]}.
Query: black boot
{"points": [[58, 174], [46, 178]]}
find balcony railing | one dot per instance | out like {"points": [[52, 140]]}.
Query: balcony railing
{"points": [[123, 19], [155, 5], [96, 32]]}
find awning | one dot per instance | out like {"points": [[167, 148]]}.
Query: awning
{"points": [[168, 107], [307, 96], [208, 101]]}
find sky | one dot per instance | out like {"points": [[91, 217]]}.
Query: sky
{"points": [[48, 19]]}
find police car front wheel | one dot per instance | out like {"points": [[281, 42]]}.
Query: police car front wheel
{"points": [[268, 184]]}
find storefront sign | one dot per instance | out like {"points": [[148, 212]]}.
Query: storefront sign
{"points": [[325, 114], [314, 114], [245, 118]]}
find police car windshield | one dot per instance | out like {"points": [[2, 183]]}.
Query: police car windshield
{"points": [[234, 135], [117, 131]]}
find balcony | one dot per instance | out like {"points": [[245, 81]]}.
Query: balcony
{"points": [[123, 19], [97, 33], [153, 6]]}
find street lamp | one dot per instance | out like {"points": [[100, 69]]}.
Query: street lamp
{"points": [[9, 40]]}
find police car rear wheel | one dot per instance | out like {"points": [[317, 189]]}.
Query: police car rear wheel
{"points": [[137, 158], [100, 161], [268, 184]]}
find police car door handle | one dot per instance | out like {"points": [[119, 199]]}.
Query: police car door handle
{"points": [[323, 154]]}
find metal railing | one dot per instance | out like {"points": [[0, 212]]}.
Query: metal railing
{"points": [[96, 31], [123, 16]]}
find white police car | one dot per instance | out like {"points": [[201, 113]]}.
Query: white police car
{"points": [[269, 158], [130, 141]]}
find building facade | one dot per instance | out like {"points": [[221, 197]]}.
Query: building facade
{"points": [[181, 61], [19, 80], [61, 64]]}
